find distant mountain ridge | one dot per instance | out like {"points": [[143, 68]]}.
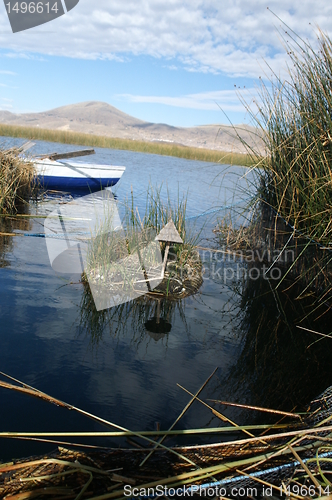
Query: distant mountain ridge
{"points": [[100, 118]]}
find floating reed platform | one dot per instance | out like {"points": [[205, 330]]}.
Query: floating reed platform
{"points": [[290, 459]]}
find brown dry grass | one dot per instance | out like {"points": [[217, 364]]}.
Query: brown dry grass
{"points": [[16, 180]]}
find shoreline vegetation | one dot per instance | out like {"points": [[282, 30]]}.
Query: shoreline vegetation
{"points": [[292, 206], [17, 180], [294, 117], [158, 148]]}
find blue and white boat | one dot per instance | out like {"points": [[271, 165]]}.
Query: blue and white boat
{"points": [[76, 176]]}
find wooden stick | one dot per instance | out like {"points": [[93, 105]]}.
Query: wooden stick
{"points": [[71, 154], [165, 259]]}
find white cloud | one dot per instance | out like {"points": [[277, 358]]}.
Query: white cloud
{"points": [[5, 72], [24, 55], [205, 35], [228, 100]]}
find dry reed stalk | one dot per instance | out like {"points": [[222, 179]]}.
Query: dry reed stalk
{"points": [[180, 416], [160, 433], [98, 419], [299, 459], [63, 443], [35, 393], [258, 408], [270, 437], [217, 413]]}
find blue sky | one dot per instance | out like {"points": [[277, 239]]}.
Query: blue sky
{"points": [[174, 62]]}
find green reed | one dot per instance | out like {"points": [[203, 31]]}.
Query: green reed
{"points": [[115, 256], [295, 120], [65, 137], [159, 210]]}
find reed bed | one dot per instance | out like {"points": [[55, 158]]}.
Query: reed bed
{"points": [[159, 148], [292, 205], [294, 116], [16, 180]]}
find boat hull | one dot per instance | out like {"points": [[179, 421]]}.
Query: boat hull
{"points": [[75, 176]]}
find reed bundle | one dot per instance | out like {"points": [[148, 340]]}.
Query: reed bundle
{"points": [[16, 180]]}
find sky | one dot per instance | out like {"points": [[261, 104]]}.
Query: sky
{"points": [[180, 62]]}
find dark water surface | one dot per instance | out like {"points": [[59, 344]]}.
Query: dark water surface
{"points": [[108, 364]]}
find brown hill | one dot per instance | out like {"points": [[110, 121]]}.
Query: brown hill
{"points": [[100, 118]]}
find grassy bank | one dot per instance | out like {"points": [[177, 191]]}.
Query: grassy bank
{"points": [[164, 149]]}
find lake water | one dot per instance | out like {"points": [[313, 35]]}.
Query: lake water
{"points": [[107, 363]]}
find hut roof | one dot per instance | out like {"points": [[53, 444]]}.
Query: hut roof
{"points": [[169, 233]]}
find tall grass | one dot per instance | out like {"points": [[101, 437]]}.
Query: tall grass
{"points": [[16, 180], [295, 117], [158, 212], [91, 140], [118, 254]]}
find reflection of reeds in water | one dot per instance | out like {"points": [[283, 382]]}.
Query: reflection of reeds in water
{"points": [[127, 318], [7, 226], [16, 179], [281, 366], [268, 239]]}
